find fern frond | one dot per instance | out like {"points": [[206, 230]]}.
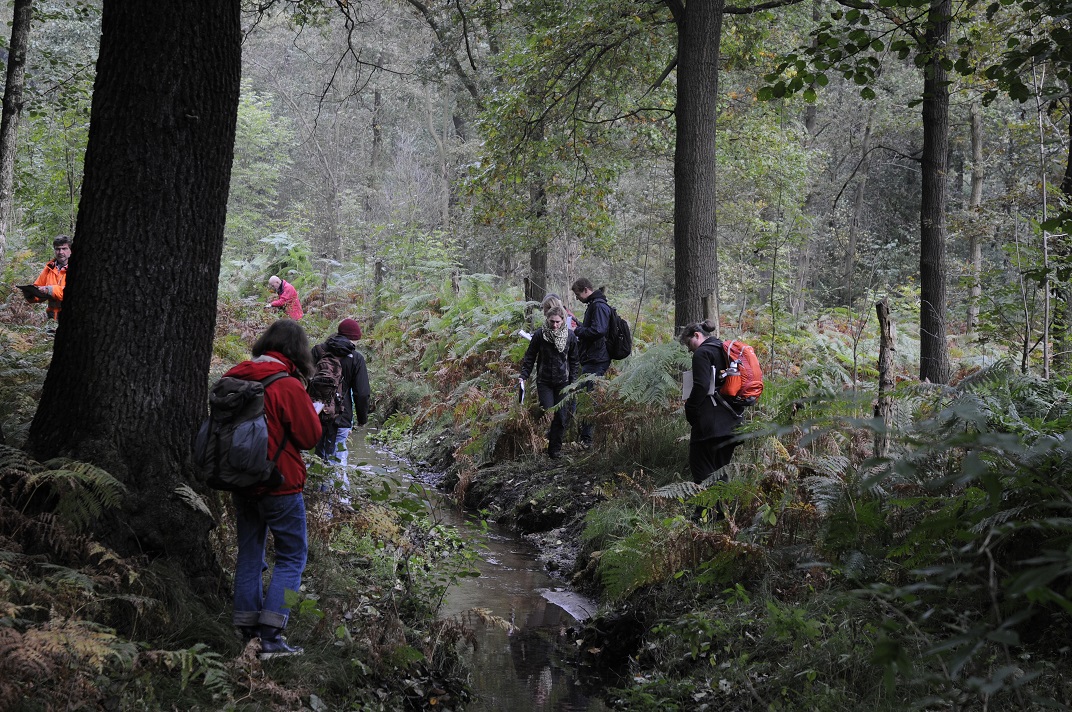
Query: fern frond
{"points": [[84, 490], [193, 499], [677, 490]]}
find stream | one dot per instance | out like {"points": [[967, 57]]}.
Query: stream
{"points": [[524, 670]]}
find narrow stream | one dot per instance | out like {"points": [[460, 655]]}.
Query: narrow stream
{"points": [[525, 670]]}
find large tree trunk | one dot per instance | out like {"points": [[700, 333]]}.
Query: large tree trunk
{"points": [[1062, 308], [536, 283], [127, 384], [933, 351], [16, 79], [975, 202], [695, 238]]}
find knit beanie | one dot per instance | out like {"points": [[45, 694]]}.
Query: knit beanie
{"points": [[350, 329]]}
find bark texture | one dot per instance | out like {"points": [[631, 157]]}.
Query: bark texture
{"points": [[9, 120], [975, 202], [695, 238], [127, 384], [933, 351]]}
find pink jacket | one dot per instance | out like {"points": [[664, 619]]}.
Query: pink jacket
{"points": [[288, 297]]}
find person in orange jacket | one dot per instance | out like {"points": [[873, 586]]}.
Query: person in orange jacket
{"points": [[287, 299], [53, 277]]}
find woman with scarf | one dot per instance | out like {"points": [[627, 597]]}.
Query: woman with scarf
{"points": [[553, 352]]}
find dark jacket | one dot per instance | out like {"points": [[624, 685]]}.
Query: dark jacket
{"points": [[355, 402], [593, 329], [555, 368], [709, 416], [288, 410]]}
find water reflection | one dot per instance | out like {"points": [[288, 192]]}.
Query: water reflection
{"points": [[528, 669]]}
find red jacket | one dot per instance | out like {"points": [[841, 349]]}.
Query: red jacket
{"points": [[288, 298], [288, 409]]}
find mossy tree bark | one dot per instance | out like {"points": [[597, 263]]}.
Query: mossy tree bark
{"points": [[9, 117], [127, 384]]}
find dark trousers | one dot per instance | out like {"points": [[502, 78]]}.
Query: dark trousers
{"points": [[708, 456], [595, 368], [550, 396]]}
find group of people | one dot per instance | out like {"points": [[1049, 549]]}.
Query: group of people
{"points": [[294, 425], [563, 350]]}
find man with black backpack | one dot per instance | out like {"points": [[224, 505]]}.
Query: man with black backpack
{"points": [[592, 335], [341, 384]]}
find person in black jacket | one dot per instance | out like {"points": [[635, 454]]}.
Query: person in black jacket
{"points": [[554, 349], [712, 418], [592, 334], [355, 389]]}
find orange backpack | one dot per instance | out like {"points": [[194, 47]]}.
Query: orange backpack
{"points": [[743, 379]]}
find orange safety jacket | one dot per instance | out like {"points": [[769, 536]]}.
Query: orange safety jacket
{"points": [[57, 279]]}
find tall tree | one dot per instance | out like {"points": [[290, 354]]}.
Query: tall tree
{"points": [[695, 238], [127, 383], [851, 44], [933, 350], [9, 121]]}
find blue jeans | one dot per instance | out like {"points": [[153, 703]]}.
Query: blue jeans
{"points": [[284, 516], [596, 368]]}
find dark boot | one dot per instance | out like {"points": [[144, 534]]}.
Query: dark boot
{"points": [[248, 632], [274, 645]]}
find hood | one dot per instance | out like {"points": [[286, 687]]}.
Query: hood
{"points": [[262, 367], [339, 345]]}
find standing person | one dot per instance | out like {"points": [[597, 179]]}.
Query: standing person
{"points": [[292, 422], [354, 387], [554, 348], [286, 299], [592, 333], [712, 418], [53, 277]]}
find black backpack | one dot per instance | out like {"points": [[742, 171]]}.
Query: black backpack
{"points": [[619, 338], [231, 448]]}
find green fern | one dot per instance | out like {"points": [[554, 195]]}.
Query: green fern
{"points": [[85, 491]]}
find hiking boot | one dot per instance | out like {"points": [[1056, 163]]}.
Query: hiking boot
{"points": [[554, 454], [274, 645], [248, 632]]}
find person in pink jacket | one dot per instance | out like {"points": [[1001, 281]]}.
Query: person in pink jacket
{"points": [[287, 298]]}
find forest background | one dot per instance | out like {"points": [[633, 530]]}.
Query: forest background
{"points": [[434, 169]]}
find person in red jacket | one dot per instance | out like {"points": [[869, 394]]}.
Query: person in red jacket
{"points": [[287, 298], [292, 421]]}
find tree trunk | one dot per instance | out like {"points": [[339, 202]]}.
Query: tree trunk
{"points": [[933, 351], [862, 171], [536, 283], [1062, 291], [9, 122], [695, 237], [975, 202], [884, 404], [127, 385]]}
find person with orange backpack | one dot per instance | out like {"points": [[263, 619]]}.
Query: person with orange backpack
{"points": [[723, 384]]}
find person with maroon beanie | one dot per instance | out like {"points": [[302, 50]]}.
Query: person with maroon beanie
{"points": [[292, 422], [355, 397]]}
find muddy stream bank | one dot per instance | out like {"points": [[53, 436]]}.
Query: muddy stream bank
{"points": [[533, 666]]}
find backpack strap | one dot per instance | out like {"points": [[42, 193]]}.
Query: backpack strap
{"points": [[282, 443]]}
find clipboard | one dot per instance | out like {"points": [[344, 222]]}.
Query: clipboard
{"points": [[33, 293]]}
